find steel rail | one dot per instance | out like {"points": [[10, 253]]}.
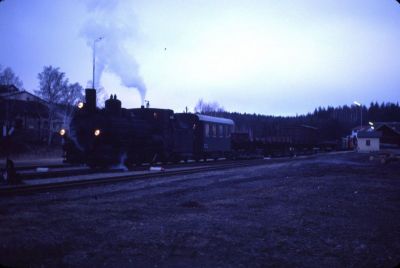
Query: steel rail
{"points": [[29, 189]]}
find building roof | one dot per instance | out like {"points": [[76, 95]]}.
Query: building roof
{"points": [[360, 128], [309, 127], [369, 134], [5, 89], [395, 126], [14, 94]]}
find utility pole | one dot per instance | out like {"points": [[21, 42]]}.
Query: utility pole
{"points": [[360, 105]]}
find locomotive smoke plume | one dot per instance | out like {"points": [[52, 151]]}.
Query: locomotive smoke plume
{"points": [[113, 21]]}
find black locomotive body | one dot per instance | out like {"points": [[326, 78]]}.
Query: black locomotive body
{"points": [[104, 137], [114, 135]]}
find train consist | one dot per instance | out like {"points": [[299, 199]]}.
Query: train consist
{"points": [[115, 135]]}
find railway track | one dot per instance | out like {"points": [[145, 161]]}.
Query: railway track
{"points": [[43, 173], [102, 179], [25, 167], [56, 171]]}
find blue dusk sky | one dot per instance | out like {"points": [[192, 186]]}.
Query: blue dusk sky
{"points": [[278, 57]]}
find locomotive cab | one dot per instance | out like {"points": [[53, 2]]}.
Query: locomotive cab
{"points": [[159, 122]]}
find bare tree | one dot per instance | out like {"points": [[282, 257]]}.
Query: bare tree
{"points": [[72, 95], [53, 86], [8, 78]]}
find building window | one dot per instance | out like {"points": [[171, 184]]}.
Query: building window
{"points": [[368, 142], [221, 131]]}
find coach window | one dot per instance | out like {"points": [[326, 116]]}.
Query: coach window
{"points": [[214, 127], [206, 130], [221, 131]]}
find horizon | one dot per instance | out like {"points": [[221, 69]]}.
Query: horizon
{"points": [[365, 106]]}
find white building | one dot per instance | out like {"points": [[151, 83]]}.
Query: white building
{"points": [[368, 141]]}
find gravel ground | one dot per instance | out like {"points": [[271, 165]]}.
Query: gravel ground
{"points": [[338, 210]]}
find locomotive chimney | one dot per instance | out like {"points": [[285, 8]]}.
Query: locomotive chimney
{"points": [[90, 95]]}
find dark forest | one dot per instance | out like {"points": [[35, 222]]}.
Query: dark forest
{"points": [[332, 122]]}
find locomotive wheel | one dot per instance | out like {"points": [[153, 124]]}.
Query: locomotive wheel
{"points": [[92, 165], [176, 159]]}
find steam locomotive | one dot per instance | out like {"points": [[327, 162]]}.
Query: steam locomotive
{"points": [[115, 135]]}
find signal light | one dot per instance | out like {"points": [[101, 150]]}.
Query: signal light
{"points": [[62, 132], [97, 132]]}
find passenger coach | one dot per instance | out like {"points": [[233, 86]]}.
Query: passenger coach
{"points": [[201, 136]]}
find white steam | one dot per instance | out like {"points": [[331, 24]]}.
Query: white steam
{"points": [[113, 21]]}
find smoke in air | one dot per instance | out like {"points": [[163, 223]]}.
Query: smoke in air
{"points": [[112, 20]]}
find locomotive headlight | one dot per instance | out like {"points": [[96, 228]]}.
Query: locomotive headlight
{"points": [[80, 105], [97, 132], [62, 132]]}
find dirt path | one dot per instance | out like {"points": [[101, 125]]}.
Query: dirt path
{"points": [[331, 210]]}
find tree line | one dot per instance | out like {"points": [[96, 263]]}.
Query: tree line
{"points": [[332, 123]]}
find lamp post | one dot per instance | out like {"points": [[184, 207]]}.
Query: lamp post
{"points": [[360, 105], [94, 56]]}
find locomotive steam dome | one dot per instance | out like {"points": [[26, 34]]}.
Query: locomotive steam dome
{"points": [[113, 105]]}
